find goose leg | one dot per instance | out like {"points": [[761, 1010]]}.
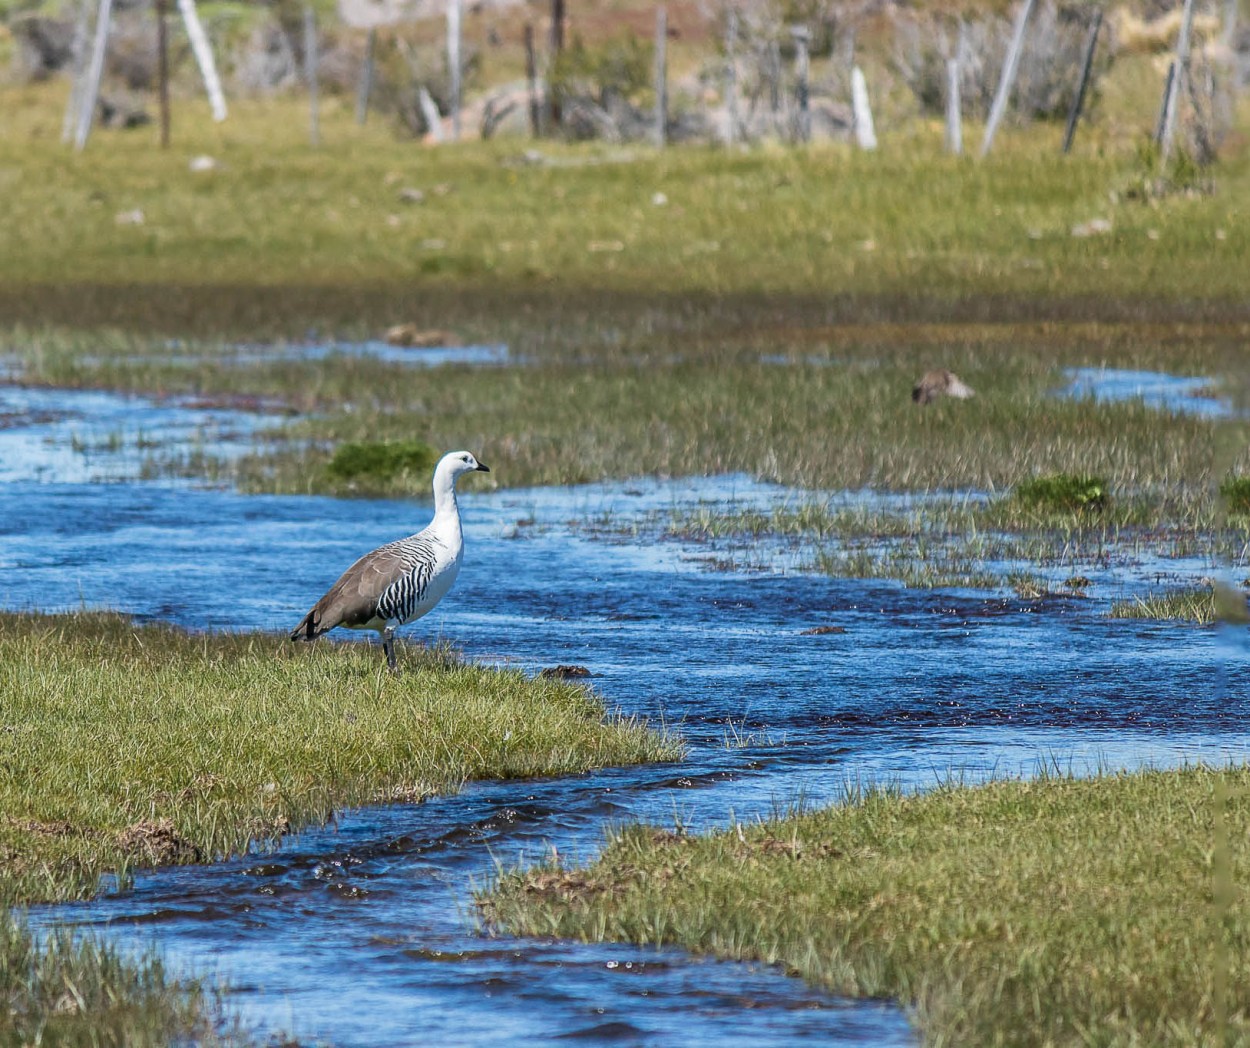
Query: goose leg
{"points": [[388, 646]]}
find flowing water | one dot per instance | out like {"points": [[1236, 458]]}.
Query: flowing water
{"points": [[363, 932]]}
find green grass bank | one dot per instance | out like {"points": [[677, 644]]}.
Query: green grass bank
{"points": [[125, 746], [1052, 911]]}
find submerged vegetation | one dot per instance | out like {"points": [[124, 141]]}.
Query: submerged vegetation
{"points": [[1052, 911]]}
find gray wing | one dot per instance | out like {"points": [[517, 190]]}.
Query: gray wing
{"points": [[360, 593]]}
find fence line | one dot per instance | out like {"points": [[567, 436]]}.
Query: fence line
{"points": [[751, 73]]}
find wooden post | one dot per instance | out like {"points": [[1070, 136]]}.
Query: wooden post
{"points": [[1167, 137], [365, 87], [91, 88], [802, 36], [78, 61], [557, 45], [162, 69], [453, 64], [731, 78], [1008, 79], [865, 133], [1078, 103], [310, 74], [203, 58], [661, 75], [531, 79]]}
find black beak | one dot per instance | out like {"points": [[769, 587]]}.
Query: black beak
{"points": [[483, 469]]}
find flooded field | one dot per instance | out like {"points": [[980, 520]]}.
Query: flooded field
{"points": [[372, 917]]}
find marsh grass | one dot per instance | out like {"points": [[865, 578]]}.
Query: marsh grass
{"points": [[965, 541], [62, 989], [125, 746], [674, 404], [1189, 605], [1051, 911]]}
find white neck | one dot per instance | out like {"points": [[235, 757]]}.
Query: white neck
{"points": [[445, 508]]}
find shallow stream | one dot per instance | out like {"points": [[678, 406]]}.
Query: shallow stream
{"points": [[362, 933]]}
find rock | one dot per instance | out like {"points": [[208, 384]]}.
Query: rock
{"points": [[939, 383], [1094, 227], [203, 162], [418, 338], [565, 672], [822, 631], [129, 218], [411, 195], [122, 112]]}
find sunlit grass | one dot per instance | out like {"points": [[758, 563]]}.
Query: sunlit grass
{"points": [[1053, 911], [619, 402], [125, 746], [62, 989], [1187, 605], [281, 237]]}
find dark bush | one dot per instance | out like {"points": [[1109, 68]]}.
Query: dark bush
{"points": [[379, 462]]}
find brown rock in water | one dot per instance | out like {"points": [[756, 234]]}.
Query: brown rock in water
{"points": [[417, 338], [565, 672], [820, 631], [939, 383]]}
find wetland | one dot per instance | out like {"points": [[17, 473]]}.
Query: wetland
{"points": [[793, 589]]}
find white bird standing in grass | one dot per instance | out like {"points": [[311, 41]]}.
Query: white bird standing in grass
{"points": [[401, 581]]}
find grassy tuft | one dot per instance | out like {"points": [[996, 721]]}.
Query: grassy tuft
{"points": [[1063, 492], [68, 991], [1236, 493], [1189, 605], [1052, 911], [125, 746], [376, 467]]}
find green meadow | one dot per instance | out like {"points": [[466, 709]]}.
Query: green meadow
{"points": [[1054, 911]]}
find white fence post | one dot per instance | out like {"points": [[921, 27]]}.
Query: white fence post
{"points": [[91, 88], [661, 75], [203, 57], [1167, 137], [1008, 79], [310, 74], [865, 133], [453, 64]]}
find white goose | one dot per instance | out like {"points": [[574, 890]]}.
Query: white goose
{"points": [[401, 581]]}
